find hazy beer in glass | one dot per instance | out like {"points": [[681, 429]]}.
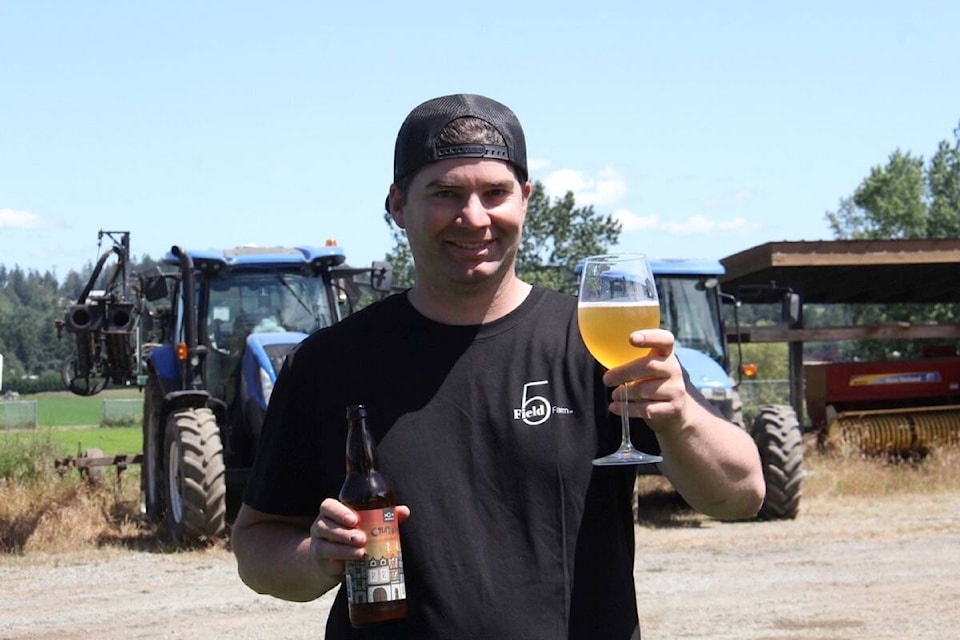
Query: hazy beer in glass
{"points": [[617, 297], [606, 327]]}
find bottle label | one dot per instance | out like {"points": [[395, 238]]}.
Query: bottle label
{"points": [[379, 576]]}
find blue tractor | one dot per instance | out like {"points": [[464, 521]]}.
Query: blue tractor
{"points": [[204, 334], [691, 308]]}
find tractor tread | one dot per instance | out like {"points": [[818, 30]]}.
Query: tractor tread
{"points": [[779, 439]]}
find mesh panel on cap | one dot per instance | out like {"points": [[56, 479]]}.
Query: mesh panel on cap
{"points": [[417, 143]]}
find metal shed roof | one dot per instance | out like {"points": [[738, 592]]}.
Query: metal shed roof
{"points": [[852, 271]]}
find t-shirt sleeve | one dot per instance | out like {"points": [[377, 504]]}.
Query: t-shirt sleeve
{"points": [[287, 474]]}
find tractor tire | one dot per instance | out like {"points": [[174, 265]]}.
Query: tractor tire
{"points": [[736, 410], [779, 439], [196, 488], [151, 471]]}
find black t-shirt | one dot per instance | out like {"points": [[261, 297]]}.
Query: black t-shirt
{"points": [[487, 433]]}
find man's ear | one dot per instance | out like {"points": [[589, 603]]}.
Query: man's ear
{"points": [[395, 205]]}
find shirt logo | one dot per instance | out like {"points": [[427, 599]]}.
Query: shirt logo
{"points": [[535, 408]]}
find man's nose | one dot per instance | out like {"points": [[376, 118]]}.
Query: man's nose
{"points": [[474, 211]]}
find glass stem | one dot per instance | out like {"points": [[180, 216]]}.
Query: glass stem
{"points": [[625, 443]]}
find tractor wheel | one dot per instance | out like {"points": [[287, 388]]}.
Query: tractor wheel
{"points": [[776, 432], [196, 488], [151, 475], [736, 410]]}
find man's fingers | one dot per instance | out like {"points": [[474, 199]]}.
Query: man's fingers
{"points": [[658, 339], [338, 512]]}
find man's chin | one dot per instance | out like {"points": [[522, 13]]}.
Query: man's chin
{"points": [[481, 272]]}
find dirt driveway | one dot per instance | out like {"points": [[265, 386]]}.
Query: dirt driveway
{"points": [[845, 569]]}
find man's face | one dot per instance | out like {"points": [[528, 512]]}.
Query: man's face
{"points": [[463, 219]]}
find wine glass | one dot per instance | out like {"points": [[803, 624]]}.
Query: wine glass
{"points": [[618, 296]]}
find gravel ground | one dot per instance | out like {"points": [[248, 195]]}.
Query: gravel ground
{"points": [[885, 568], [844, 569]]}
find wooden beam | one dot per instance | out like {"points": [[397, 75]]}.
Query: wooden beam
{"points": [[852, 259], [903, 331]]}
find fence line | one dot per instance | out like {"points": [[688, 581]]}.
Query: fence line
{"points": [[754, 393], [19, 414], [122, 412]]}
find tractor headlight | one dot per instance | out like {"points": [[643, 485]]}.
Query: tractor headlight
{"points": [[266, 385]]}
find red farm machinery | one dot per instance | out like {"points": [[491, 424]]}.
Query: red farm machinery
{"points": [[898, 407], [893, 406]]}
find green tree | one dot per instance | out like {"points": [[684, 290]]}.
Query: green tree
{"points": [[943, 190], [74, 282], [556, 235], [28, 312], [904, 199], [888, 203], [399, 257]]}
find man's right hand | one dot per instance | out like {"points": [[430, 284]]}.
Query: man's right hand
{"points": [[334, 537]]}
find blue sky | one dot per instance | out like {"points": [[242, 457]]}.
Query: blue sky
{"points": [[705, 127]]}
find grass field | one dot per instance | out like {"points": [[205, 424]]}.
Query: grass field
{"points": [[110, 440], [65, 409], [70, 424]]}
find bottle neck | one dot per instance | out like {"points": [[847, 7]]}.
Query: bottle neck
{"points": [[361, 449]]}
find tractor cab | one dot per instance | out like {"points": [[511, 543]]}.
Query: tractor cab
{"points": [[250, 321], [690, 303]]}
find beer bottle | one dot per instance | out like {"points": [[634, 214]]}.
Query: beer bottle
{"points": [[375, 586]]}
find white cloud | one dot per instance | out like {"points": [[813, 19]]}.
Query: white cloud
{"points": [[558, 182], [15, 219], [606, 188], [633, 222], [696, 225]]}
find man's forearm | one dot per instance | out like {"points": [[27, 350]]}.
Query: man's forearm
{"points": [[715, 466], [275, 559]]}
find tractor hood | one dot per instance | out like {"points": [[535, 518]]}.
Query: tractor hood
{"points": [[704, 371], [267, 350], [262, 361]]}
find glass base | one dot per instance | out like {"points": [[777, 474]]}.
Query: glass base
{"points": [[627, 456]]}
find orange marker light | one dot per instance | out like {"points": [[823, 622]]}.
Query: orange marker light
{"points": [[181, 351], [749, 370]]}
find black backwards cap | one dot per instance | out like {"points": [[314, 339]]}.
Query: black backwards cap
{"points": [[417, 143]]}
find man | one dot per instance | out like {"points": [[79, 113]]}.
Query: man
{"points": [[508, 530]]}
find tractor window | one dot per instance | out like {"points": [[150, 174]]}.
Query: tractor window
{"points": [[274, 302], [690, 310]]}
